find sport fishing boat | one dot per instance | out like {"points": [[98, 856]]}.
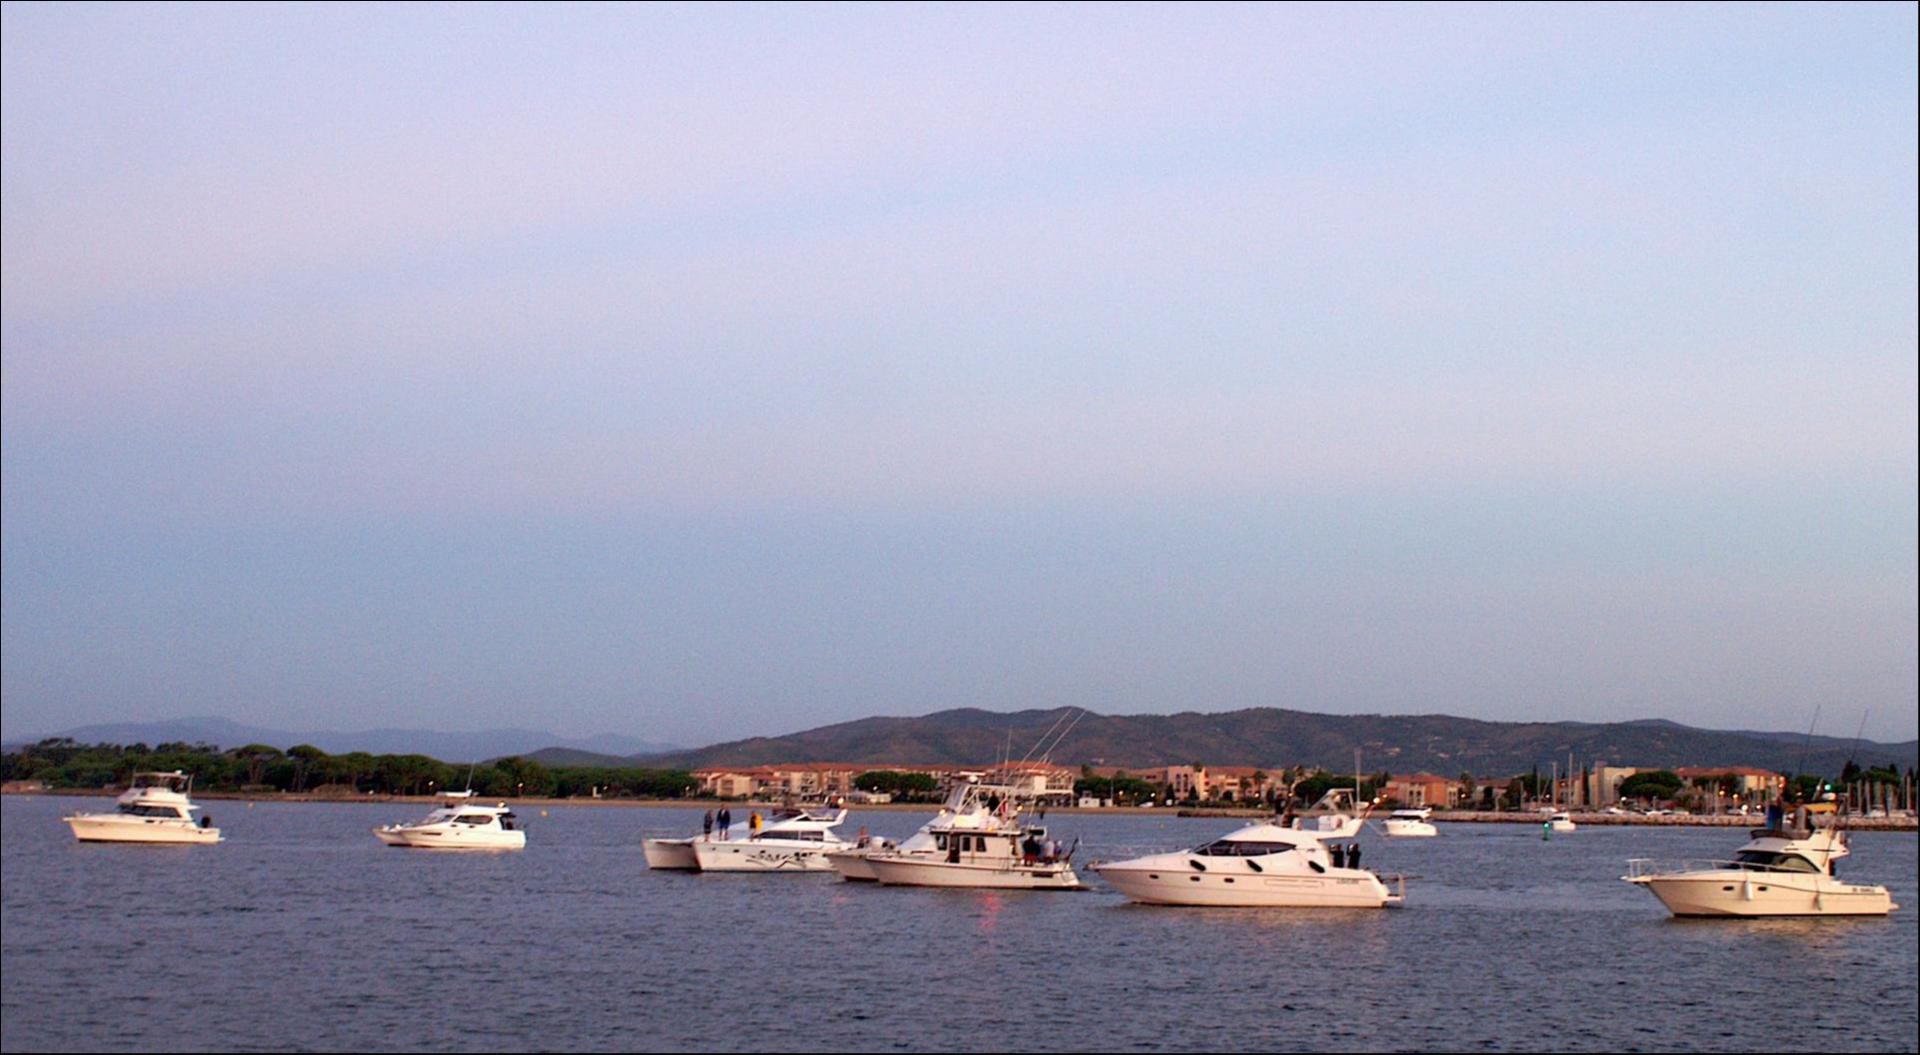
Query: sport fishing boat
{"points": [[1561, 821], [1781, 872], [459, 824], [154, 809], [1004, 856], [1411, 823], [794, 842], [967, 807], [1260, 865]]}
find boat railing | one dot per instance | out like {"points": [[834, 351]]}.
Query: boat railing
{"points": [[1648, 867]]}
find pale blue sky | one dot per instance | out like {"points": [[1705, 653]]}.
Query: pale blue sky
{"points": [[703, 372]]}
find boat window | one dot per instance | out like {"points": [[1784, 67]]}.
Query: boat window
{"points": [[1242, 848], [150, 811], [475, 819], [1766, 860]]}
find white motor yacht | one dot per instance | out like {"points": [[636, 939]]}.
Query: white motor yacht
{"points": [[1411, 823], [460, 824], [796, 842], [1258, 865], [154, 809], [1561, 822], [1781, 872]]}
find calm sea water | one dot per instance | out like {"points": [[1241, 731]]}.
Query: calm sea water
{"points": [[302, 932]]}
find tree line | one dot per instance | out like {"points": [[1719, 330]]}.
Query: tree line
{"points": [[62, 763]]}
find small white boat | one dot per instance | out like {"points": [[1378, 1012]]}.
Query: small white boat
{"points": [[1261, 865], [460, 824], [1411, 823], [1781, 872], [154, 809], [1561, 822], [796, 842]]}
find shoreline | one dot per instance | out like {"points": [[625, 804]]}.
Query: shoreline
{"points": [[1595, 819]]}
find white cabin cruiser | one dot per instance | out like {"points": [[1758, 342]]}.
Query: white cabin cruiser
{"points": [[1411, 823], [154, 809], [460, 824], [1561, 821], [1781, 872], [1260, 865], [1003, 856], [796, 842]]}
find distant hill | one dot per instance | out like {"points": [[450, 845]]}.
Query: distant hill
{"points": [[1273, 737], [567, 756], [447, 746]]}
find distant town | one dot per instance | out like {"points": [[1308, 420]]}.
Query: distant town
{"points": [[306, 771]]}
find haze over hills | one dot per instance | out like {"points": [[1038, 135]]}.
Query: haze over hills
{"points": [[446, 746], [1269, 736]]}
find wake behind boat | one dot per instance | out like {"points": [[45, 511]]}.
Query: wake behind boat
{"points": [[154, 809]]}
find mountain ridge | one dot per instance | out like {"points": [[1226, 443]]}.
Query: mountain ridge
{"points": [[1271, 737]]}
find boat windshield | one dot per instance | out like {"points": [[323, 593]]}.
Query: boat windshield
{"points": [[1768, 861], [1241, 848], [151, 811]]}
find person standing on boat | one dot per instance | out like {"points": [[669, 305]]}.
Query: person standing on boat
{"points": [[726, 822], [706, 827], [753, 822]]}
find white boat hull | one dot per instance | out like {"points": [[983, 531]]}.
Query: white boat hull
{"points": [[670, 854], [1411, 829], [1754, 894], [938, 872], [753, 855], [118, 828], [1338, 888], [451, 838], [853, 866]]}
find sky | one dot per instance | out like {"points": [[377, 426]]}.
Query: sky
{"points": [[702, 372]]}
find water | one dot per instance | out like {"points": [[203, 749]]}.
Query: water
{"points": [[302, 932]]}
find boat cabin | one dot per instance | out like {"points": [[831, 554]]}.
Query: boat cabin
{"points": [[1028, 845]]}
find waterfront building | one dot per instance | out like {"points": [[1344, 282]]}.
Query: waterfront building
{"points": [[1424, 789], [1226, 783]]}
